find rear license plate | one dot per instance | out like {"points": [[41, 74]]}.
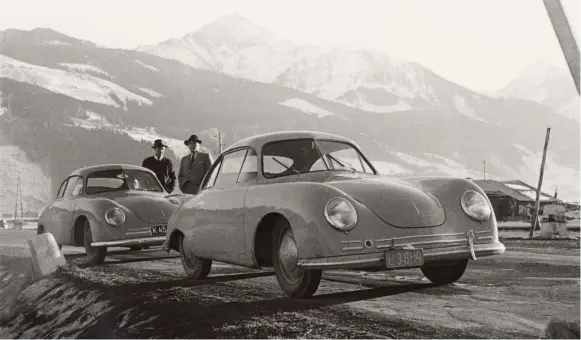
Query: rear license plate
{"points": [[404, 258], [158, 230]]}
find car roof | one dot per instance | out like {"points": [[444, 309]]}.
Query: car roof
{"points": [[89, 169], [258, 141]]}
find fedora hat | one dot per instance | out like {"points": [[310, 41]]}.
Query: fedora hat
{"points": [[193, 138], [159, 144]]}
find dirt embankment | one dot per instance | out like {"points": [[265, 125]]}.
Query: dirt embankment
{"points": [[107, 302], [134, 296]]}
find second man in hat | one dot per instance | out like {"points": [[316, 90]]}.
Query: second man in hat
{"points": [[193, 167]]}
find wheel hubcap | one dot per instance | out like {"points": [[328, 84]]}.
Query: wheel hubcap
{"points": [[288, 255]]}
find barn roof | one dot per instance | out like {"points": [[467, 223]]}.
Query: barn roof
{"points": [[515, 189]]}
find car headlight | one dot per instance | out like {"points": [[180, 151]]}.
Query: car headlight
{"points": [[174, 201], [340, 213], [475, 205], [115, 217]]}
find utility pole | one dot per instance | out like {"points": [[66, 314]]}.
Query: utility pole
{"points": [[484, 169], [220, 144], [538, 199]]}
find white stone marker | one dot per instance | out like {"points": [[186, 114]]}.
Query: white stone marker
{"points": [[46, 255]]}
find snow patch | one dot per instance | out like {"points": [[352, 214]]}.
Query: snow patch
{"points": [[439, 165], [402, 105], [151, 92], [390, 169], [556, 175], [306, 107], [57, 42], [79, 86], [85, 68], [2, 109], [524, 149], [146, 65], [464, 109], [93, 121], [411, 159]]}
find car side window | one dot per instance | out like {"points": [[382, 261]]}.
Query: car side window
{"points": [[70, 186], [78, 187], [211, 178], [249, 171], [61, 191], [231, 165]]}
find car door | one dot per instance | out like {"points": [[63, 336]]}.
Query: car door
{"points": [[63, 211], [221, 210]]}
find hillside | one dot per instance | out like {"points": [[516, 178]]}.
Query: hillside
{"points": [[60, 149], [55, 79], [547, 84]]}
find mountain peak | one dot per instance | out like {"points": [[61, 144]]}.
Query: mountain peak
{"points": [[236, 27]]}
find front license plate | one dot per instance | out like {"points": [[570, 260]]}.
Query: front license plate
{"points": [[158, 230], [404, 258]]}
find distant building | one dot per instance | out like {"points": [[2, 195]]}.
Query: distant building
{"points": [[513, 200]]}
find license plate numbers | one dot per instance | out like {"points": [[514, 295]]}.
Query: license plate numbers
{"points": [[158, 230], [404, 258]]}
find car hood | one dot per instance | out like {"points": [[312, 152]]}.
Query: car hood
{"points": [[150, 207], [397, 203]]}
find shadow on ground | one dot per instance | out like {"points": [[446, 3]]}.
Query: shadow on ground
{"points": [[119, 302]]}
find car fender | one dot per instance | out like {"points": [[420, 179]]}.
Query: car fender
{"points": [[302, 204], [93, 210]]}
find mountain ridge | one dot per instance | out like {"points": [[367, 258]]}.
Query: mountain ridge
{"points": [[133, 90]]}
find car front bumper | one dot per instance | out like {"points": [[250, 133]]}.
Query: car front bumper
{"points": [[143, 241], [454, 248]]}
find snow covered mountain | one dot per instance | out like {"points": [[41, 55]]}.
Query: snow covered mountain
{"points": [[367, 80], [74, 103], [547, 84]]}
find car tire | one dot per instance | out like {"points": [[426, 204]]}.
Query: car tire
{"points": [[294, 281], [196, 268], [443, 274], [94, 255]]}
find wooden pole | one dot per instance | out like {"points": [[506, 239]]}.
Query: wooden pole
{"points": [[484, 169], [220, 142], [538, 198], [562, 28]]}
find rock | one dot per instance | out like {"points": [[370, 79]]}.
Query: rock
{"points": [[46, 255], [561, 329]]}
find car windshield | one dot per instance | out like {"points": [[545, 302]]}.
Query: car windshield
{"points": [[289, 157], [121, 180]]}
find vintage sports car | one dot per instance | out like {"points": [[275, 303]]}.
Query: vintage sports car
{"points": [[113, 205], [302, 202]]}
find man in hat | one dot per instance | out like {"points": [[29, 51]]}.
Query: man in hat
{"points": [[162, 166], [193, 167]]}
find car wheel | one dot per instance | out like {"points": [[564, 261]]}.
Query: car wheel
{"points": [[442, 274], [195, 267], [293, 280], [95, 255]]}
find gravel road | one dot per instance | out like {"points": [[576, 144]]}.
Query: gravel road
{"points": [[144, 294]]}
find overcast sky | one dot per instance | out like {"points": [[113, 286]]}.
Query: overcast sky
{"points": [[481, 44]]}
